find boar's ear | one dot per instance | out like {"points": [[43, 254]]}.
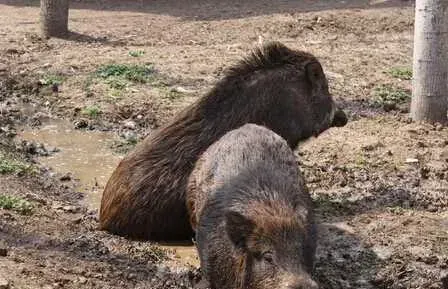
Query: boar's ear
{"points": [[238, 228], [315, 74]]}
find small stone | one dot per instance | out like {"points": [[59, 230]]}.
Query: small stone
{"points": [[372, 146], [129, 124], [411, 161], [4, 284], [415, 183], [139, 116], [444, 281], [66, 177], [35, 122], [3, 252], [77, 220], [421, 144], [404, 108], [343, 183], [182, 90], [82, 280], [389, 106], [131, 276], [82, 123], [129, 136], [424, 172], [53, 149], [71, 209], [98, 276], [431, 208], [431, 260], [444, 155]]}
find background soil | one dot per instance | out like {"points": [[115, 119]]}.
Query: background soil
{"points": [[380, 184]]}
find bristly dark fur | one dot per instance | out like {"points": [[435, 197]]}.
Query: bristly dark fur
{"points": [[251, 174], [145, 196], [269, 56]]}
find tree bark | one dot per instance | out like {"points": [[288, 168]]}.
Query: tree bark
{"points": [[430, 62], [54, 18]]}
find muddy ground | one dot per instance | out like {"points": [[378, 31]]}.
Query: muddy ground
{"points": [[380, 184]]}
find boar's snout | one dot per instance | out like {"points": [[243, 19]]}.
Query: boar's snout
{"points": [[339, 119]]}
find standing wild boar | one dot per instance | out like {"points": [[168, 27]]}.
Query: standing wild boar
{"points": [[282, 89], [252, 213]]}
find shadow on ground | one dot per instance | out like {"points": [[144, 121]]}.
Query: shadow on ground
{"points": [[342, 261], [221, 10]]}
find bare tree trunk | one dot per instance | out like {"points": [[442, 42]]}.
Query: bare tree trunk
{"points": [[54, 18], [430, 64]]}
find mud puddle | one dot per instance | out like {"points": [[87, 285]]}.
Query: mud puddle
{"points": [[88, 157], [84, 154], [184, 252]]}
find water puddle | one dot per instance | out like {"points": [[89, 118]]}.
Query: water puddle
{"points": [[184, 252], [85, 154], [88, 157]]}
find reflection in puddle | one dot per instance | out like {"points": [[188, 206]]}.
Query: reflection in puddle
{"points": [[85, 154]]}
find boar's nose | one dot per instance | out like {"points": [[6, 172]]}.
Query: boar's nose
{"points": [[339, 119]]}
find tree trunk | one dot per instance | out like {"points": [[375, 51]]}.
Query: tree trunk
{"points": [[54, 18], [430, 61]]}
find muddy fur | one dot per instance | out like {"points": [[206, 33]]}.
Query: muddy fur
{"points": [[283, 89], [246, 197]]}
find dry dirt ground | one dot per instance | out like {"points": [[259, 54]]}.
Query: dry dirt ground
{"points": [[380, 184]]}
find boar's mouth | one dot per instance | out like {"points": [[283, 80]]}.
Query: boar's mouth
{"points": [[339, 119]]}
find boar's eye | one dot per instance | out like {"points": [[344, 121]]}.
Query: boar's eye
{"points": [[268, 257]]}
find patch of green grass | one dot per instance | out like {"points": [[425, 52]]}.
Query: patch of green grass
{"points": [[136, 53], [396, 210], [114, 95], [387, 95], [117, 83], [130, 72], [404, 73], [361, 161], [92, 111], [51, 79], [19, 205], [11, 166]]}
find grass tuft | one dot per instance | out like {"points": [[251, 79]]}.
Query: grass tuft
{"points": [[389, 95], [11, 166], [130, 72], [51, 79], [136, 53], [92, 111], [16, 204], [401, 73]]}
